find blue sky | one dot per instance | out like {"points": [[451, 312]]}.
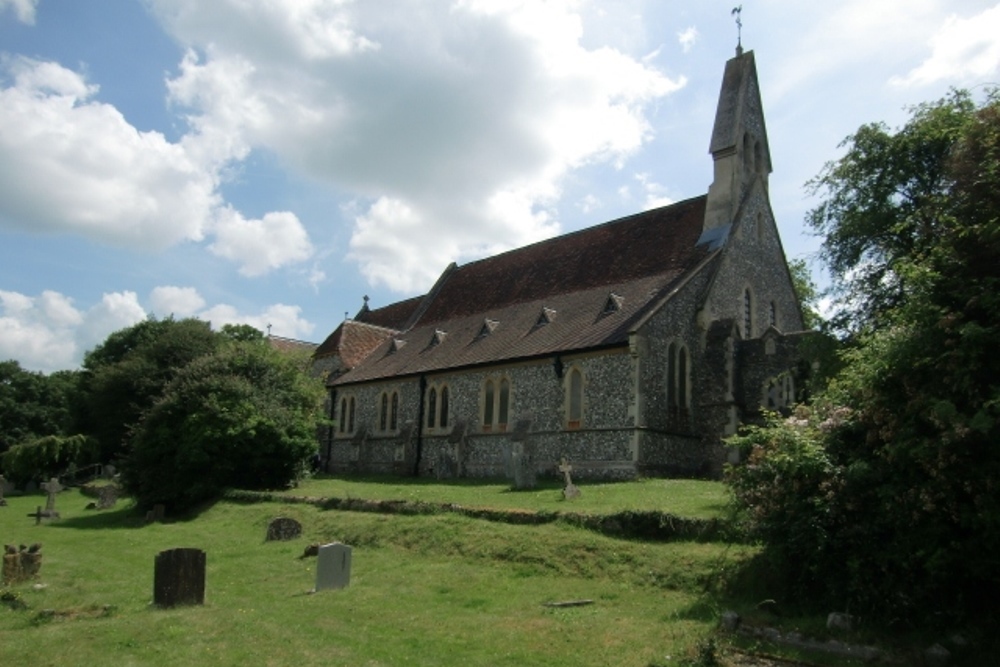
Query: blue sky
{"points": [[273, 161]]}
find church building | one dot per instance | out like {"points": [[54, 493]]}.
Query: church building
{"points": [[632, 348]]}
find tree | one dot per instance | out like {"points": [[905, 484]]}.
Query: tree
{"points": [[242, 417], [881, 207], [896, 483], [33, 405], [127, 373]]}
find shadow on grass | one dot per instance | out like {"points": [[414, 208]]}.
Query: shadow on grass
{"points": [[127, 516]]}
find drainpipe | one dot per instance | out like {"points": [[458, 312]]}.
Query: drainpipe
{"points": [[420, 426]]}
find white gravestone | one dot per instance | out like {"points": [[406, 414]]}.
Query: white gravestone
{"points": [[333, 566]]}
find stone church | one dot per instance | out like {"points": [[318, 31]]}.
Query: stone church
{"points": [[630, 348]]}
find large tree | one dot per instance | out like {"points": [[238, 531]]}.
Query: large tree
{"points": [[244, 416], [885, 496], [33, 405]]}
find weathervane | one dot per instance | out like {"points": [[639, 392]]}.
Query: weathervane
{"points": [[268, 329], [737, 11]]}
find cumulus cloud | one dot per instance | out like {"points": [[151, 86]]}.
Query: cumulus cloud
{"points": [[261, 245], [49, 333], [963, 49], [72, 164], [687, 38], [23, 9], [451, 122]]}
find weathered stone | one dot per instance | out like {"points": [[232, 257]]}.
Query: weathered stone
{"points": [[156, 514], [179, 577], [730, 621], [570, 491], [3, 487], [52, 487], [282, 529], [333, 566], [520, 465], [107, 497], [21, 565], [839, 621]]}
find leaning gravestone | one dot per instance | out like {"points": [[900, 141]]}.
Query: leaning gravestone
{"points": [[179, 577], [282, 529], [333, 566]]}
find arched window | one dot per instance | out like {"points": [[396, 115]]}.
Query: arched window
{"points": [[488, 397], [343, 415], [574, 402], [747, 314], [504, 405], [394, 412], [443, 421], [383, 413], [350, 415], [773, 315], [431, 407], [678, 384]]}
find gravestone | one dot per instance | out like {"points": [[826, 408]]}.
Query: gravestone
{"points": [[520, 465], [21, 565], [156, 514], [179, 577], [333, 566], [283, 528], [108, 471], [570, 491], [52, 487], [107, 497], [3, 487]]}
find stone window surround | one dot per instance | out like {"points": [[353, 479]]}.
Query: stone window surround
{"points": [[346, 415], [678, 381], [387, 408], [574, 422], [437, 409], [494, 411]]}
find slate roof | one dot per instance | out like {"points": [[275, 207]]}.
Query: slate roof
{"points": [[639, 259]]}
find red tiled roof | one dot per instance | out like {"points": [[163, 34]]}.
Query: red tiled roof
{"points": [[290, 344], [639, 258], [352, 341]]}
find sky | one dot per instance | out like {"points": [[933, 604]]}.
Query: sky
{"points": [[273, 162]]}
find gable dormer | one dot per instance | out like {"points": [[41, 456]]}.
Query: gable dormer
{"points": [[739, 145]]}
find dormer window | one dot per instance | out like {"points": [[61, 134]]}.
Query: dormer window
{"points": [[396, 345], [613, 304], [487, 328], [545, 317], [437, 338]]}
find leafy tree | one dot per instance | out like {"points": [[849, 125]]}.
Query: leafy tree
{"points": [[48, 456], [881, 204], [243, 416], [241, 332], [34, 405], [127, 373], [891, 506], [807, 292]]}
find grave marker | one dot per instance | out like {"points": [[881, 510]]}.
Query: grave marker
{"points": [[3, 484], [179, 577], [52, 487], [283, 529], [333, 566], [107, 497], [570, 491]]}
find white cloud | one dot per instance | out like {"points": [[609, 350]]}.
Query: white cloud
{"points": [[24, 9], [964, 50], [480, 109], [75, 165], [687, 38], [655, 192], [48, 333], [178, 301], [261, 245]]}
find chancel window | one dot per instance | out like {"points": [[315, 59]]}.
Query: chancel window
{"points": [[678, 384]]}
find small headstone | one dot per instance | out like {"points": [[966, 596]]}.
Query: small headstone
{"points": [[179, 577], [730, 621], [570, 491], [108, 471], [522, 466], [52, 487], [21, 565], [156, 514], [107, 497], [333, 566], [3, 487], [283, 528], [838, 621]]}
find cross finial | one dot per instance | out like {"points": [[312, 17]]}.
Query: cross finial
{"points": [[737, 12], [268, 329]]}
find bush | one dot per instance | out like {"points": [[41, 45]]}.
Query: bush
{"points": [[242, 417]]}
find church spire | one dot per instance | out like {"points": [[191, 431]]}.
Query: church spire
{"points": [[739, 144]]}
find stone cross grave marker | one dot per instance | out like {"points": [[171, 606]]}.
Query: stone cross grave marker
{"points": [[570, 491], [283, 528], [333, 566], [179, 577], [52, 487]]}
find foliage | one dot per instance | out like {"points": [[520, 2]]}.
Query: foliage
{"points": [[127, 373], [880, 207], [242, 417], [34, 405], [48, 456], [807, 292], [889, 503], [241, 332]]}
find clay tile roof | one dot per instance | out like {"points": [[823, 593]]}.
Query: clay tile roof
{"points": [[352, 341], [290, 344], [638, 259]]}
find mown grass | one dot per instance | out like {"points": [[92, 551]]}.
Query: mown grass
{"points": [[682, 497], [441, 589]]}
